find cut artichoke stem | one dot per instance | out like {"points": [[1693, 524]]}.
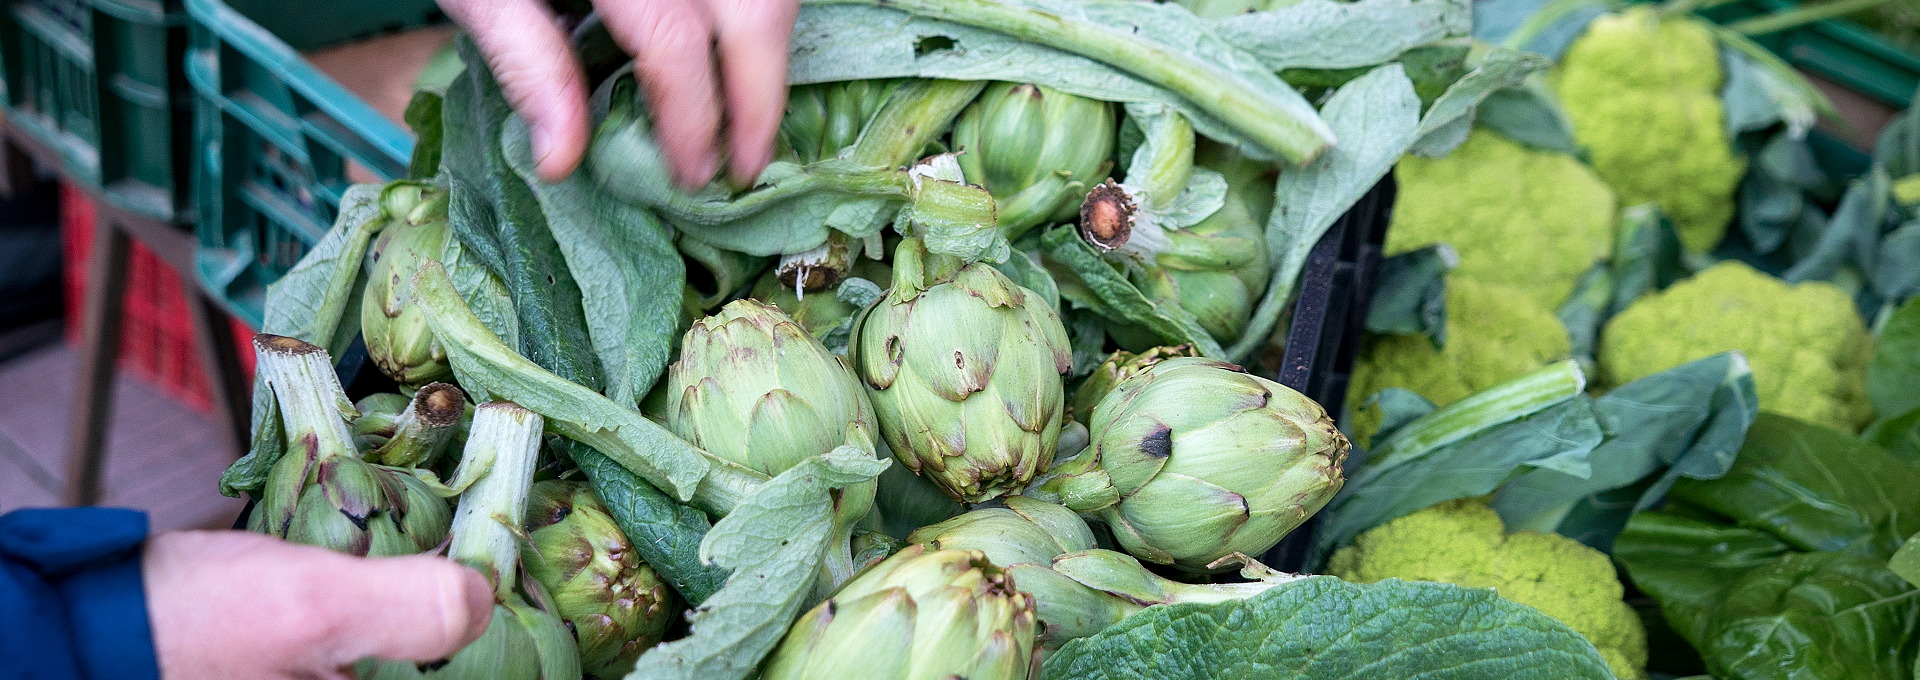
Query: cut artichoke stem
{"points": [[817, 269], [1107, 216], [485, 533], [422, 431], [313, 405]]}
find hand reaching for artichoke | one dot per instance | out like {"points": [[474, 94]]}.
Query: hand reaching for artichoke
{"points": [[691, 56], [241, 605]]}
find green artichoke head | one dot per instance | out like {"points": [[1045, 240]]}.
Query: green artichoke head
{"points": [[921, 613], [1027, 531], [348, 505], [754, 387], [398, 340], [1036, 149], [824, 118], [614, 602], [964, 367], [1117, 368], [1194, 460]]}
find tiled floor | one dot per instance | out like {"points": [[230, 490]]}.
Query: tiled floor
{"points": [[161, 457]]}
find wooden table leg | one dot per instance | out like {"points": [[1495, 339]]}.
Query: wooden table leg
{"points": [[226, 380], [99, 354]]}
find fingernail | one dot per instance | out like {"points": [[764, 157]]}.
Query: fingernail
{"points": [[479, 604], [699, 173], [545, 145]]}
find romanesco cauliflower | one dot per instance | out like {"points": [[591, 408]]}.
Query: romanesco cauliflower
{"points": [[1494, 334], [1463, 542], [1807, 346], [1906, 190], [1533, 220], [1643, 95]]}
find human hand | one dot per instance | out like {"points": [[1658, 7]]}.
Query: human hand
{"points": [[675, 44], [230, 604]]}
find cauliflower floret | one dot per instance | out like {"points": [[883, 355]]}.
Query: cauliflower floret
{"points": [[1533, 220], [1463, 542], [1643, 95], [1494, 334], [1906, 190], [1807, 346]]}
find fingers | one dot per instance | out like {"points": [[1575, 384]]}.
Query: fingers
{"points": [[308, 612], [752, 36], [533, 62], [672, 44]]}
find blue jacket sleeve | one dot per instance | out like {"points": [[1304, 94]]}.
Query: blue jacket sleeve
{"points": [[72, 606]]}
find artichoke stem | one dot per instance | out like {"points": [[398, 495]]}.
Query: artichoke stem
{"points": [[313, 405], [486, 525], [915, 114], [1106, 217], [422, 431], [817, 269]]}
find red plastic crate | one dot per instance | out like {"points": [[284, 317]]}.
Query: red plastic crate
{"points": [[156, 334]]}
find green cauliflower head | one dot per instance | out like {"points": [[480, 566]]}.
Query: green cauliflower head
{"points": [[1464, 542], [1494, 334], [1643, 94], [1534, 220], [1807, 346]]}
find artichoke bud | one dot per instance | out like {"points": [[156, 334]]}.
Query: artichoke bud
{"points": [[1036, 149], [964, 368], [398, 340], [379, 417], [822, 119], [321, 492], [921, 613], [1027, 531], [614, 602], [1193, 460], [1117, 368], [421, 432]]}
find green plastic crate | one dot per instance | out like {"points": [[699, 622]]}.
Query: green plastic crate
{"points": [[1838, 50], [100, 82], [274, 136]]}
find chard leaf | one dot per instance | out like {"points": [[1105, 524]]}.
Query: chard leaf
{"points": [[1468, 448], [1893, 376], [626, 256], [1377, 116], [1323, 627], [1325, 34], [1109, 294], [772, 544], [1687, 421]]}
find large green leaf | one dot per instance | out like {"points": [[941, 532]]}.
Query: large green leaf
{"points": [[1893, 377], [1107, 292], [1687, 421], [1322, 627]]}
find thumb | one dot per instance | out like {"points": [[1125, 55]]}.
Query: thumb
{"points": [[416, 608]]}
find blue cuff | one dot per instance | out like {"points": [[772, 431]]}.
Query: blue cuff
{"points": [[87, 563], [107, 614]]}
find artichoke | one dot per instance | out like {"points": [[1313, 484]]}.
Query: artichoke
{"points": [[824, 118], [614, 602], [397, 337], [1118, 367], [526, 639], [1194, 460], [320, 492], [422, 431], [754, 388], [1036, 149], [921, 613], [1215, 269], [379, 418], [964, 367]]}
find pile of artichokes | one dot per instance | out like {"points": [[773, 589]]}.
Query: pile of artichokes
{"points": [[1039, 494]]}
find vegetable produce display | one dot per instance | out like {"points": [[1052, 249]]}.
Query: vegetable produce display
{"points": [[974, 380]]}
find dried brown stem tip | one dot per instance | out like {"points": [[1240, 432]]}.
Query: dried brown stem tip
{"points": [[439, 404], [268, 342], [1106, 217]]}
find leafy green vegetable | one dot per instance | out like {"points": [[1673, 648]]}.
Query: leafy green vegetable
{"points": [[1893, 376], [1906, 561], [1899, 435], [1411, 296], [1323, 34], [1685, 422], [1779, 569], [1322, 627], [1108, 293]]}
